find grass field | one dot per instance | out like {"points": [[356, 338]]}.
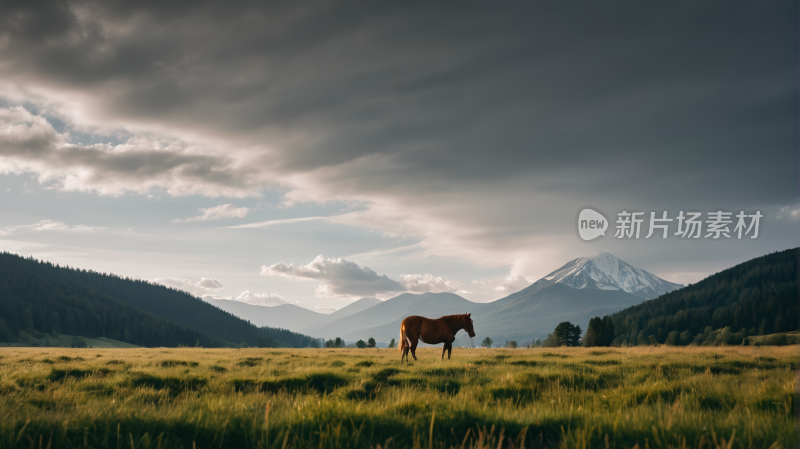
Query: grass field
{"points": [[65, 341], [732, 397]]}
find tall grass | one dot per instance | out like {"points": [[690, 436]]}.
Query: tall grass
{"points": [[737, 397]]}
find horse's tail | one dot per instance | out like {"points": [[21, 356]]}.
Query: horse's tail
{"points": [[403, 338]]}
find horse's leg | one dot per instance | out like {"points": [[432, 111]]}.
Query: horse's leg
{"points": [[449, 350], [414, 349], [444, 348]]}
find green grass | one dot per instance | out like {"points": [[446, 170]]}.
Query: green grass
{"points": [[256, 398], [792, 338], [65, 341]]}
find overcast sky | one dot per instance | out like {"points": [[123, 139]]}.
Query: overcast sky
{"points": [[315, 153]]}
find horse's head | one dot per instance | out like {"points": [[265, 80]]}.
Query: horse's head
{"points": [[468, 325]]}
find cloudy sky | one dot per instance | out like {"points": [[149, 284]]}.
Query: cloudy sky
{"points": [[315, 153]]}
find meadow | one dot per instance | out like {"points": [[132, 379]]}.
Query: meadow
{"points": [[715, 397]]}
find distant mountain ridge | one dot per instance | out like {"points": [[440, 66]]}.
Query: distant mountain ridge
{"points": [[288, 316], [284, 316], [350, 309]]}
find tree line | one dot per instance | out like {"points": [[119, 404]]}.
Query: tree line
{"points": [[361, 344]]}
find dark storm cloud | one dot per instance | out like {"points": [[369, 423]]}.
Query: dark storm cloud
{"points": [[29, 143], [470, 93]]}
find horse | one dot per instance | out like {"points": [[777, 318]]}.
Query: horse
{"points": [[442, 330]]}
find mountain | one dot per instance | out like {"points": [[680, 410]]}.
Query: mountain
{"points": [[759, 296], [154, 299], [578, 291], [527, 317], [284, 316], [350, 309], [39, 298], [382, 320], [604, 272], [289, 316]]}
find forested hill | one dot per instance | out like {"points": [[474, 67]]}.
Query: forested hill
{"points": [[28, 283], [759, 296], [34, 299]]}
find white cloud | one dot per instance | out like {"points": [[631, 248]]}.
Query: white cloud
{"points": [[427, 283], [789, 213], [217, 213], [47, 225], [325, 310], [266, 224], [256, 299], [209, 283], [341, 218], [259, 299], [200, 288], [341, 277], [512, 283]]}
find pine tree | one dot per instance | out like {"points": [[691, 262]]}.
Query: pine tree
{"points": [[561, 333], [574, 336], [608, 332], [594, 333], [567, 334]]}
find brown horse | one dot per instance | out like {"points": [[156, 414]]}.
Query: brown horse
{"points": [[442, 330]]}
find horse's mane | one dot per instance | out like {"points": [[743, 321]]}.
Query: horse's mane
{"points": [[460, 320]]}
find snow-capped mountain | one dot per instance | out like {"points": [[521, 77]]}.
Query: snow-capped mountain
{"points": [[581, 289], [607, 272]]}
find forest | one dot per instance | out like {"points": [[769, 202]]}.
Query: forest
{"points": [[757, 297], [38, 297]]}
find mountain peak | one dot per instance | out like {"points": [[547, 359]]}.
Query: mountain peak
{"points": [[592, 255], [605, 271]]}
